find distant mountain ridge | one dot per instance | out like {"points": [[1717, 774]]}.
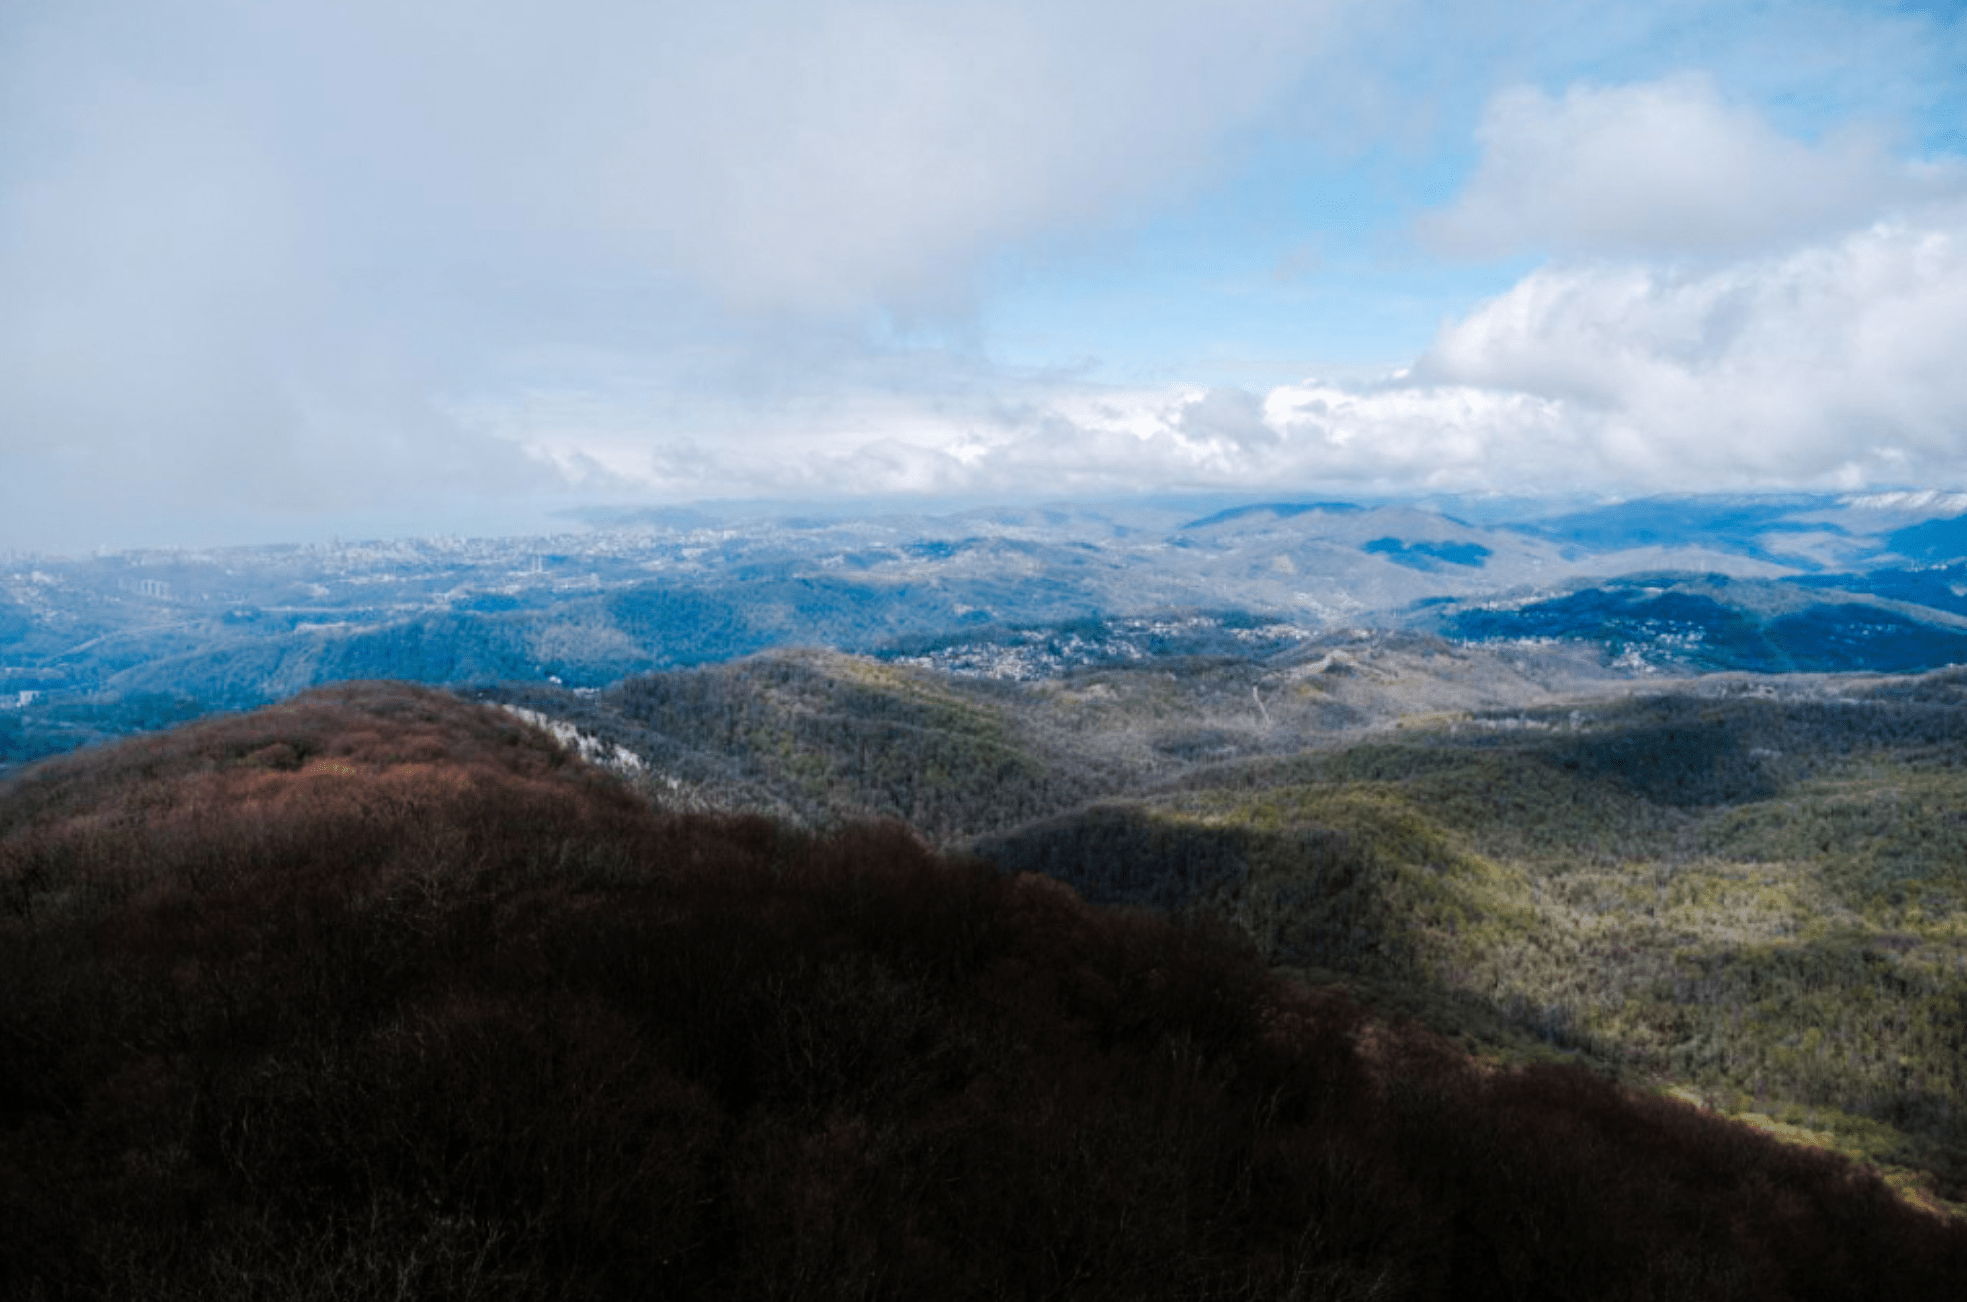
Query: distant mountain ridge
{"points": [[94, 647], [1275, 510], [1704, 623]]}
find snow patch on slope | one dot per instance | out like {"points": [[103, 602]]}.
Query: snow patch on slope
{"points": [[592, 749]]}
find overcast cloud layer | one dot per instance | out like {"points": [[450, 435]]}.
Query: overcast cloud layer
{"points": [[386, 267]]}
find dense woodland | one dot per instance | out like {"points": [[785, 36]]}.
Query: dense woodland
{"points": [[819, 737], [1761, 902], [378, 993], [1749, 890]]}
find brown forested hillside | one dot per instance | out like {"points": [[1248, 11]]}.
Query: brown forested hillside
{"points": [[380, 994]]}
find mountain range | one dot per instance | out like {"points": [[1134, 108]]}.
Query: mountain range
{"points": [[1627, 839], [104, 645]]}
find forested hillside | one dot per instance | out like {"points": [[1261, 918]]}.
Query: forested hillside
{"points": [[820, 737], [1749, 889], [380, 993], [1760, 901]]}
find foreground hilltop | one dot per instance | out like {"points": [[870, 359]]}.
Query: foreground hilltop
{"points": [[378, 992]]}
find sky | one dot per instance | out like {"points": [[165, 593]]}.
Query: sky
{"points": [[279, 272]]}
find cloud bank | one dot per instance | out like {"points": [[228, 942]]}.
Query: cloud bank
{"points": [[269, 269], [1834, 366], [271, 248], [1667, 168]]}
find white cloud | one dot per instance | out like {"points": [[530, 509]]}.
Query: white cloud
{"points": [[781, 154], [1666, 167], [265, 263], [1834, 366], [1837, 363], [1059, 439], [258, 254]]}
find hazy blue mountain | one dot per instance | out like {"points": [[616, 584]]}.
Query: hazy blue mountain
{"points": [[1738, 523], [1271, 511], [1703, 623], [1794, 583], [1932, 540], [1940, 587], [1429, 556]]}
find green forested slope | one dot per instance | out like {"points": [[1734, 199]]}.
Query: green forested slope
{"points": [[820, 737], [1761, 901], [1754, 889]]}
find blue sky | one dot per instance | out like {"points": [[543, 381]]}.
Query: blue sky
{"points": [[278, 272]]}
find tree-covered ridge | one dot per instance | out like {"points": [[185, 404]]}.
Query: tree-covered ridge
{"points": [[1888, 623], [382, 993], [818, 737], [1761, 900]]}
